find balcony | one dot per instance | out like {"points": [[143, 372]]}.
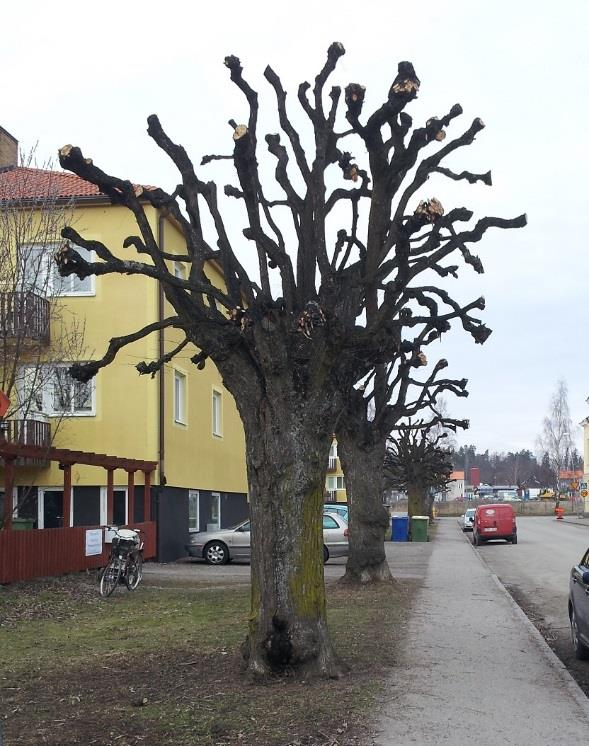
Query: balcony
{"points": [[24, 316], [33, 432], [331, 496], [333, 463]]}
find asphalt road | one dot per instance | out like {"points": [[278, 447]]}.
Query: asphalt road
{"points": [[536, 572]]}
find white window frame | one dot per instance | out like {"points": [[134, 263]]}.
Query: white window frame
{"points": [[47, 393], [52, 283], [335, 483], [217, 413], [180, 398], [194, 495], [180, 270], [216, 498], [104, 504]]}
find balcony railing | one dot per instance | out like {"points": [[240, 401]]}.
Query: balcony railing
{"points": [[332, 465], [29, 432], [25, 316], [331, 496]]}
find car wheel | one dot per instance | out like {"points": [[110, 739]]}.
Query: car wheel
{"points": [[581, 650], [514, 539], [325, 554], [478, 541], [216, 553]]}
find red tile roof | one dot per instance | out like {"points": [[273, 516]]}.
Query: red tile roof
{"points": [[36, 183]]}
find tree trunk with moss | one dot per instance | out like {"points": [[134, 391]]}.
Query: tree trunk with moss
{"points": [[288, 421], [363, 469], [288, 625], [416, 500]]}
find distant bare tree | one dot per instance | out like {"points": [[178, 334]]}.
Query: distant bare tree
{"points": [[555, 440], [37, 332], [417, 463]]}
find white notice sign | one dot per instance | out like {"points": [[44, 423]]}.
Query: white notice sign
{"points": [[93, 541]]}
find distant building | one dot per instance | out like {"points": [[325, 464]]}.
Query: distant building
{"points": [[455, 489]]}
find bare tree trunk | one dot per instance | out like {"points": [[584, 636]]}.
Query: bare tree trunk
{"points": [[287, 465], [416, 500], [363, 469]]}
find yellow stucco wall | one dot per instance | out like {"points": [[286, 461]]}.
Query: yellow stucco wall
{"points": [[126, 413]]}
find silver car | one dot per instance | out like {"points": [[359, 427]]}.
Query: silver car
{"points": [[219, 547], [467, 520]]}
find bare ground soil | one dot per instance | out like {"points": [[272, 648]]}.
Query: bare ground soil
{"points": [[80, 680]]}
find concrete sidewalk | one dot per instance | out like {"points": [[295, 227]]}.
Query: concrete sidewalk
{"points": [[474, 669]]}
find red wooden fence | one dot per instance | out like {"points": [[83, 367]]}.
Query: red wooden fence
{"points": [[55, 551]]}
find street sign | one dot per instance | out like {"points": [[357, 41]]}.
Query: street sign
{"points": [[4, 403], [584, 493]]}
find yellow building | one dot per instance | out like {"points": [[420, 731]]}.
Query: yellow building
{"points": [[182, 418], [335, 486]]}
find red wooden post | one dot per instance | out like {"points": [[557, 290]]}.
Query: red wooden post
{"points": [[109, 495], [147, 497], [67, 494], [8, 488], [131, 497]]}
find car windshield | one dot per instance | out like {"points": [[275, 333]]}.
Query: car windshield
{"points": [[470, 513]]}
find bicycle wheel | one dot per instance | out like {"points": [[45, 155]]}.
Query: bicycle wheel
{"points": [[110, 578], [134, 572]]}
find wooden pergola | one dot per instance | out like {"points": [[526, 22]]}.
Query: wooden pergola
{"points": [[66, 458]]}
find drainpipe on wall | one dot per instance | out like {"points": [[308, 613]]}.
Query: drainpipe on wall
{"points": [[161, 381]]}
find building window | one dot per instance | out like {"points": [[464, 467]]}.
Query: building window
{"points": [[335, 483], [51, 390], [179, 397], [179, 270], [215, 523], [217, 413], [193, 507], [40, 274]]}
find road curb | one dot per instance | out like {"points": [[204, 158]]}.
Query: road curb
{"points": [[569, 682]]}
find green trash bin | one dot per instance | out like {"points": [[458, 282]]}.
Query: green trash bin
{"points": [[419, 526], [22, 524]]}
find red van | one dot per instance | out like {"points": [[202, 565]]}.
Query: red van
{"points": [[494, 522]]}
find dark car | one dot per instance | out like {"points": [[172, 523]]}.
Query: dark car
{"points": [[579, 607]]}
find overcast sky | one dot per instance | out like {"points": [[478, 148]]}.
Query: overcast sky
{"points": [[90, 74]]}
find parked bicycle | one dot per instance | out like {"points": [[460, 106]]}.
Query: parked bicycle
{"points": [[126, 562]]}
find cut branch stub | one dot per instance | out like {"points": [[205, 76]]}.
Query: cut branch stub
{"points": [[145, 369], [199, 360], [311, 318], [429, 210], [480, 333], [354, 94], [69, 262], [350, 170], [406, 83], [240, 131], [84, 372]]}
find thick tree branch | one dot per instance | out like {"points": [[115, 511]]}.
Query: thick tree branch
{"points": [[85, 371]]}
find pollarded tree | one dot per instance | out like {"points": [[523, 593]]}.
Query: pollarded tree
{"points": [[417, 463], [291, 358], [363, 434]]}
